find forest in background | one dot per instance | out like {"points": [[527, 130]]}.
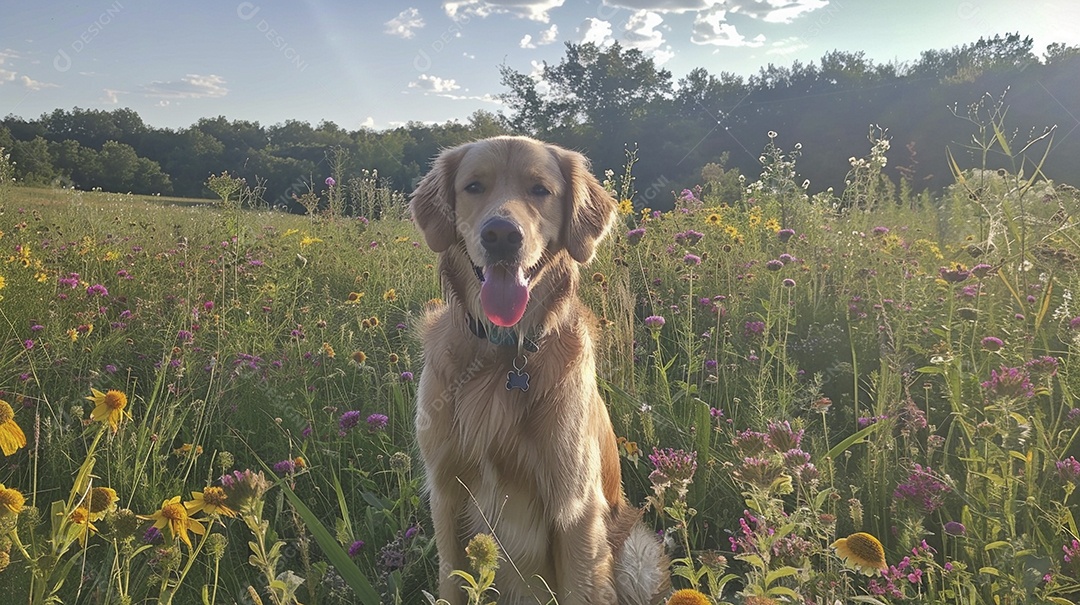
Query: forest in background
{"points": [[603, 101]]}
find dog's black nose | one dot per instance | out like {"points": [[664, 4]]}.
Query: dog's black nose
{"points": [[501, 238]]}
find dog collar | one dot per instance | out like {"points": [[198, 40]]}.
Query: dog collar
{"points": [[500, 337]]}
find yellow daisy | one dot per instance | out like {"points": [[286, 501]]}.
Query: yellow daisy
{"points": [[11, 501], [714, 219], [81, 517], [210, 501], [390, 295], [102, 500], [11, 436], [688, 596], [626, 207], [109, 407], [862, 552], [174, 516]]}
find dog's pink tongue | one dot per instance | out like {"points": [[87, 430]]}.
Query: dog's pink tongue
{"points": [[504, 294]]}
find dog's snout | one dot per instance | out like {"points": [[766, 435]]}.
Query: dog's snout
{"points": [[501, 238]]}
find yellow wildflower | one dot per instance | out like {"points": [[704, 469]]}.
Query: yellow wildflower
{"points": [[109, 407], [355, 297], [390, 295], [290, 232], [862, 552], [688, 596], [11, 501], [174, 516], [714, 219], [307, 240], [772, 225], [359, 357], [102, 500], [81, 517], [328, 350], [72, 334], [626, 207], [11, 435], [210, 501]]}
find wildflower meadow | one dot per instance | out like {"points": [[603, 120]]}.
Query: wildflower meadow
{"points": [[866, 397]]}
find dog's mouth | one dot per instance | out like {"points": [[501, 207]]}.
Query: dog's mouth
{"points": [[504, 292]]}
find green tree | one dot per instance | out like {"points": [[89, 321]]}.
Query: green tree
{"points": [[33, 164]]}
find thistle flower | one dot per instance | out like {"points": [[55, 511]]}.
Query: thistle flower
{"points": [[862, 552], [11, 436], [634, 236], [785, 234], [774, 264]]}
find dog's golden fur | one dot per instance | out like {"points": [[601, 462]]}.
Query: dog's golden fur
{"points": [[537, 468]]}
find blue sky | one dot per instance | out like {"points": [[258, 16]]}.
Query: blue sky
{"points": [[380, 64]]}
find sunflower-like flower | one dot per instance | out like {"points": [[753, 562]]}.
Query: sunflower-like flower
{"points": [[211, 501], [102, 500], [862, 552], [174, 516], [11, 436], [82, 519], [11, 501], [688, 596], [109, 407]]}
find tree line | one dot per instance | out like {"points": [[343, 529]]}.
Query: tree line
{"points": [[603, 101]]}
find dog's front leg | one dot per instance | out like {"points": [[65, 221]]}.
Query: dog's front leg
{"points": [[446, 516], [584, 564]]}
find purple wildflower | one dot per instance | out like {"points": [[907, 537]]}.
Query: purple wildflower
{"points": [[1042, 366], [1072, 551], [774, 265], [782, 437], [406, 376], [285, 467], [788, 283], [880, 230], [654, 322], [922, 490], [692, 259], [377, 422], [348, 420], [992, 343], [356, 547], [1009, 383], [785, 234], [1068, 470], [750, 442], [152, 535], [955, 275], [330, 182], [634, 235], [955, 528], [752, 329], [97, 290], [982, 270]]}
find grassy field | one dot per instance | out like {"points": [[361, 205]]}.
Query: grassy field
{"points": [[831, 374]]}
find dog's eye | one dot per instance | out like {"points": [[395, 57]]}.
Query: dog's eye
{"points": [[539, 190], [474, 187]]}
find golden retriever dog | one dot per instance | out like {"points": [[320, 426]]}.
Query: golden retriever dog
{"points": [[515, 438]]}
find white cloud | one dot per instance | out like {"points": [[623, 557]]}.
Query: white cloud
{"points": [[711, 27], [191, 86], [405, 24], [776, 11], [111, 97], [787, 46], [596, 31], [536, 10], [434, 84], [368, 122], [662, 6], [10, 75], [32, 84], [641, 32], [546, 37]]}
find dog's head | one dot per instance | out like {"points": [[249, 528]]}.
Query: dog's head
{"points": [[514, 204]]}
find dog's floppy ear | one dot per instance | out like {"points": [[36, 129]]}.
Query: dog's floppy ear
{"points": [[591, 210], [432, 202]]}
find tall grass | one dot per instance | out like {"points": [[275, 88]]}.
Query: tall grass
{"points": [[880, 363]]}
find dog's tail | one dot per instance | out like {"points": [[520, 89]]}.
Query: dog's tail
{"points": [[641, 568]]}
